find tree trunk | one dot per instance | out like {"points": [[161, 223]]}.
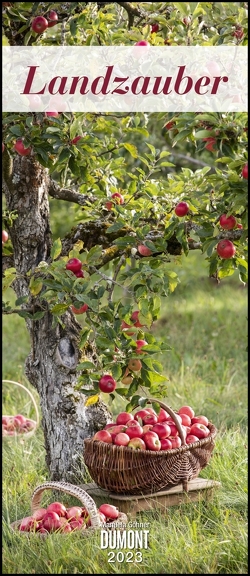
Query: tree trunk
{"points": [[51, 364]]}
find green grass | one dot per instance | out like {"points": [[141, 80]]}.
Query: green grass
{"points": [[206, 326]]}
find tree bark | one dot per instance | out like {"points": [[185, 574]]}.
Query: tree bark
{"points": [[54, 355]]}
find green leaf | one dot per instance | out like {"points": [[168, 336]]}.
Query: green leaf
{"points": [[59, 309], [35, 286], [84, 337], [56, 248], [21, 300], [183, 7], [116, 226], [38, 315], [131, 149], [86, 366], [94, 254]]}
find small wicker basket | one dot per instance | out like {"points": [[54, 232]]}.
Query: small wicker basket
{"points": [[85, 499], [123, 470], [24, 435]]}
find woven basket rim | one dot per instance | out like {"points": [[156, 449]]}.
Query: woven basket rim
{"points": [[76, 491], [31, 432], [159, 453]]}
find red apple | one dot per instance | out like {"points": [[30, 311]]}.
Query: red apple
{"points": [[143, 250], [147, 427], [52, 18], [39, 24], [227, 223], [169, 125], [5, 236], [79, 274], [103, 436], [150, 419], [132, 423], [140, 415], [42, 530], [200, 420], [52, 114], [134, 431], [163, 415], [151, 411], [135, 319], [245, 171], [137, 444], [102, 517], [124, 418], [125, 326], [174, 429], [21, 418], [110, 425], [199, 430], [166, 444], [77, 524], [5, 420], [107, 383], [181, 209], [122, 439], [116, 429], [134, 365], [57, 507], [191, 438], [74, 264], [28, 523], [152, 440], [175, 441], [39, 514], [80, 310], [51, 521], [186, 410], [142, 43], [225, 249], [109, 510], [163, 430], [117, 199], [139, 346], [66, 527], [20, 148], [239, 226], [185, 420], [127, 380], [76, 139], [155, 28]]}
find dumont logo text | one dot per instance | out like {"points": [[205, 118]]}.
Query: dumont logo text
{"points": [[120, 539], [109, 83]]}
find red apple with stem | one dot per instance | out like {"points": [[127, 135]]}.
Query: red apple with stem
{"points": [[107, 384], [74, 264], [199, 430], [225, 249], [227, 222], [181, 209], [39, 24]]}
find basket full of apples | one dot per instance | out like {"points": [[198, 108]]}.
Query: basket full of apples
{"points": [[150, 450], [57, 517], [19, 425]]}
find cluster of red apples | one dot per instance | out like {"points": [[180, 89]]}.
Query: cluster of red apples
{"points": [[146, 430], [75, 266], [17, 424], [57, 518], [39, 24]]}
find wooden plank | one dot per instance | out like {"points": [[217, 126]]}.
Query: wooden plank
{"points": [[131, 504]]}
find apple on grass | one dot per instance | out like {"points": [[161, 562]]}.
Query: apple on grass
{"points": [[199, 430], [137, 444], [124, 418], [103, 436], [121, 439]]}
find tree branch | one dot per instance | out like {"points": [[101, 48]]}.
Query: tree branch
{"points": [[131, 11], [55, 191]]}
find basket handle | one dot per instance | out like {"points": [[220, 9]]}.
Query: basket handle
{"points": [[173, 416], [29, 393], [72, 490]]}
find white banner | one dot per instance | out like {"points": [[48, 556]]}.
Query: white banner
{"points": [[125, 79]]}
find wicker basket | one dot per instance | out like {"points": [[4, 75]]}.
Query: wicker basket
{"points": [[123, 470], [35, 422], [77, 492]]}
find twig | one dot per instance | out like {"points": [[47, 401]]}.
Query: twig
{"points": [[110, 289], [69, 195]]}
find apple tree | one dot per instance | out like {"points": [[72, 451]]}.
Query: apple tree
{"points": [[142, 190]]}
